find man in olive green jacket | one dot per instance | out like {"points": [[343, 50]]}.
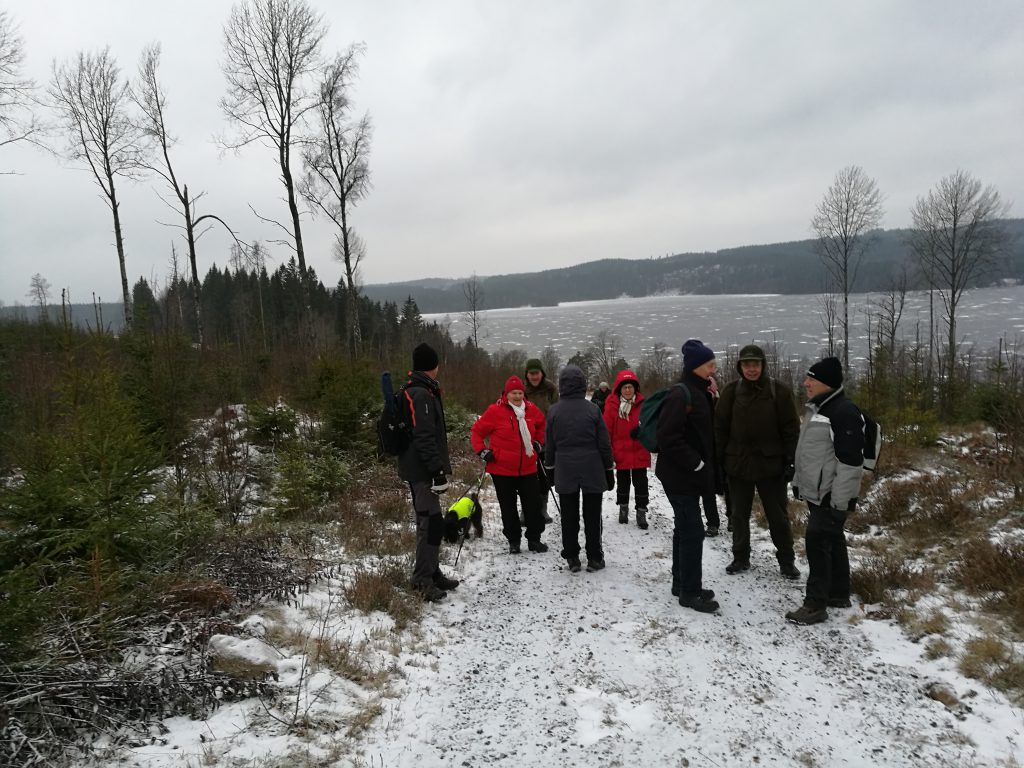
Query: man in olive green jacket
{"points": [[756, 432]]}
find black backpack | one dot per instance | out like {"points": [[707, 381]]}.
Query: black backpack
{"points": [[872, 441], [394, 425]]}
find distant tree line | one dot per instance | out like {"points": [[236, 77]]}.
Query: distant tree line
{"points": [[784, 268]]}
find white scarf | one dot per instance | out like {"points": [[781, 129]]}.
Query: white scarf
{"points": [[524, 431], [625, 406]]}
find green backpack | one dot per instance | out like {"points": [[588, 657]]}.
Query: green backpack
{"points": [[649, 410]]}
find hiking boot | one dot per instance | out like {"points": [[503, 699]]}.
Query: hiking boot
{"points": [[789, 571], [594, 565], [805, 614], [641, 518], [537, 546], [707, 594], [623, 513], [514, 548], [430, 593], [737, 566], [711, 530], [444, 582], [546, 517], [839, 602], [675, 590], [698, 603], [574, 564]]}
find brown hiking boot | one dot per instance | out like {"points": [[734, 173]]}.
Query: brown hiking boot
{"points": [[806, 614]]}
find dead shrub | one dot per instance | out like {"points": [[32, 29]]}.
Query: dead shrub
{"points": [[198, 595], [381, 588]]}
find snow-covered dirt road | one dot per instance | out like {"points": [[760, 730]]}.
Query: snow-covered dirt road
{"points": [[530, 664]]}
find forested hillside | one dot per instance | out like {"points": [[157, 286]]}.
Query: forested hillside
{"points": [[793, 267]]}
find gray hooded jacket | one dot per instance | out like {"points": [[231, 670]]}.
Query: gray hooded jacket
{"points": [[576, 442]]}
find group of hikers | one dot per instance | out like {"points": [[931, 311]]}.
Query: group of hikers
{"points": [[747, 438]]}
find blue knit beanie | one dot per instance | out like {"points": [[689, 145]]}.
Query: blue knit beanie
{"points": [[695, 354]]}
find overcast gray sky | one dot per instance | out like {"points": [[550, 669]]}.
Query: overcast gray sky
{"points": [[516, 136]]}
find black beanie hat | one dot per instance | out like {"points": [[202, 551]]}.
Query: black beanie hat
{"points": [[828, 371], [424, 358], [695, 354]]}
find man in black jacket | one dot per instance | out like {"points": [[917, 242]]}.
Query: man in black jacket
{"points": [[829, 467], [756, 430], [425, 465], [686, 469]]}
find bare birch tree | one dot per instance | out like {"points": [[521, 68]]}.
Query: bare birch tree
{"points": [[338, 173], [957, 237], [843, 221], [91, 98], [151, 100], [272, 60], [17, 92], [39, 293], [473, 315]]}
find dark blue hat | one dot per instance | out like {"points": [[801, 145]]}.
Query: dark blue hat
{"points": [[695, 354]]}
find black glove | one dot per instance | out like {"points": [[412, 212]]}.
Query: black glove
{"points": [[439, 484], [487, 455], [609, 476], [788, 473], [538, 449], [634, 433], [796, 493], [838, 515]]}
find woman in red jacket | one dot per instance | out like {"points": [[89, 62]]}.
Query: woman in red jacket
{"points": [[508, 437], [622, 417]]}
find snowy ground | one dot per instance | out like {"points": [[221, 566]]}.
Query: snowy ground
{"points": [[527, 664]]}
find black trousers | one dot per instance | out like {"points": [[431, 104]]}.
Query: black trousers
{"points": [[772, 491], [638, 477], [525, 488], [570, 503], [710, 503], [827, 559]]}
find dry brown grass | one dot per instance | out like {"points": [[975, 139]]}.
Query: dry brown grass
{"points": [[381, 588], [934, 623], [937, 648], [997, 571], [878, 576], [994, 662]]}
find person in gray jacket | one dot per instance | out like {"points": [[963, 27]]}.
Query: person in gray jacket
{"points": [[829, 466], [578, 454], [425, 466]]}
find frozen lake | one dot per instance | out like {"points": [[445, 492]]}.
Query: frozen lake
{"points": [[794, 323]]}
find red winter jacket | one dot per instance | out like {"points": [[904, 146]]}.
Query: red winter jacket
{"points": [[500, 428], [628, 453]]}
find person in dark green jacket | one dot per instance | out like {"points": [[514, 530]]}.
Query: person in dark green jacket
{"points": [[756, 432]]}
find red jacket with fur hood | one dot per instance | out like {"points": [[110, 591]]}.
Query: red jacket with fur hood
{"points": [[628, 452], [499, 427]]}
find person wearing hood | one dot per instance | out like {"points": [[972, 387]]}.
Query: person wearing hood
{"points": [[578, 455], [686, 469], [829, 468], [600, 394], [756, 430], [622, 418], [542, 393], [508, 437], [425, 466]]}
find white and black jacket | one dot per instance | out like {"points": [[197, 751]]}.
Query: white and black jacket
{"points": [[830, 452]]}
